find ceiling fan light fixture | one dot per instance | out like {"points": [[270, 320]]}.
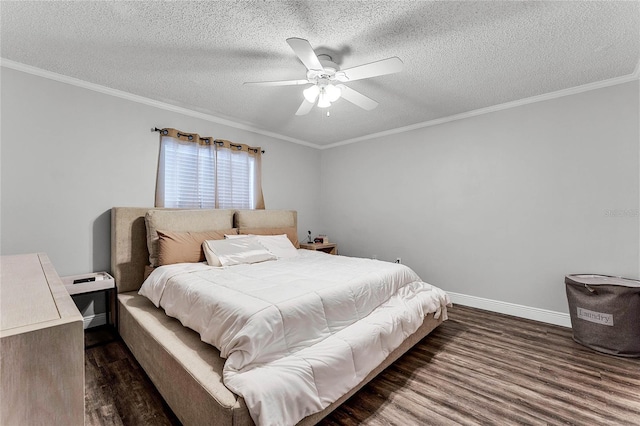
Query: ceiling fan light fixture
{"points": [[323, 99], [311, 93], [333, 92]]}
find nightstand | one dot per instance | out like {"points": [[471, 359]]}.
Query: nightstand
{"points": [[93, 283], [331, 248]]}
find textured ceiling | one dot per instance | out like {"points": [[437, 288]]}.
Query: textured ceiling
{"points": [[458, 56]]}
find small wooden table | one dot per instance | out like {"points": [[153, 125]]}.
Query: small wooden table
{"points": [[331, 248]]}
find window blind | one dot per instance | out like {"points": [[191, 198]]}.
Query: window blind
{"points": [[198, 175]]}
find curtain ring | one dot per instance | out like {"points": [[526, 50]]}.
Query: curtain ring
{"points": [[189, 137]]}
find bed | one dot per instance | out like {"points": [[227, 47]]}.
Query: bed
{"points": [[188, 372]]}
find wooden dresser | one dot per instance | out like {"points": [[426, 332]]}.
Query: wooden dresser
{"points": [[41, 345]]}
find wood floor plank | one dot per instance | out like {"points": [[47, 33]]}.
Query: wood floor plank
{"points": [[477, 368], [117, 391], [536, 371]]}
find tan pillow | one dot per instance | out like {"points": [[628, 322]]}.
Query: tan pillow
{"points": [[183, 221], [148, 269], [265, 218], [292, 233], [185, 247]]}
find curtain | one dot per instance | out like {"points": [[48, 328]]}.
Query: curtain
{"points": [[202, 172]]}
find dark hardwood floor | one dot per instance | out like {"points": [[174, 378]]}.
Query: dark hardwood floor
{"points": [[117, 390], [477, 368]]}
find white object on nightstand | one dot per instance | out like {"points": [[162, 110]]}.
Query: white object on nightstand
{"points": [[98, 281]]}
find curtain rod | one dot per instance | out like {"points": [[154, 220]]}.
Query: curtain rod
{"points": [[155, 129]]}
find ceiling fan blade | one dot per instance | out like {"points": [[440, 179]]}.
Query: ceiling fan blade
{"points": [[276, 83], [305, 52], [373, 69], [357, 98], [305, 107]]}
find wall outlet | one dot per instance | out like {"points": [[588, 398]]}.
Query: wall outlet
{"points": [[398, 260]]}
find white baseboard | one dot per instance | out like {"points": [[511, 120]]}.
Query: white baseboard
{"points": [[95, 320], [521, 311], [528, 312]]}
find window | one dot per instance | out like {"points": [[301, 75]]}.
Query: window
{"points": [[197, 172]]}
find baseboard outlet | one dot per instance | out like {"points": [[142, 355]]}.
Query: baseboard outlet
{"points": [[528, 312], [95, 320]]}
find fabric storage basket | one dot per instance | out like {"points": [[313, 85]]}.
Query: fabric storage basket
{"points": [[605, 313]]}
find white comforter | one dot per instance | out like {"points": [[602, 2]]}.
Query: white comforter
{"points": [[297, 333]]}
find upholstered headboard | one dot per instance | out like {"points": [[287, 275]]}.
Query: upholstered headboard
{"points": [[129, 252]]}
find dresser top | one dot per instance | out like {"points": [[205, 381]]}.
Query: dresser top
{"points": [[31, 292]]}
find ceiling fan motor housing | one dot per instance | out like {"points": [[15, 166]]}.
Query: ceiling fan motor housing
{"points": [[329, 73]]}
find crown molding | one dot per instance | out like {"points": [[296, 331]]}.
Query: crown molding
{"points": [[513, 104], [214, 119], [146, 101]]}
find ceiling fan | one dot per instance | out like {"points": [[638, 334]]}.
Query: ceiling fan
{"points": [[327, 79]]}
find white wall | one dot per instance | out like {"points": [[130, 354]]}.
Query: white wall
{"points": [[69, 154], [499, 206]]}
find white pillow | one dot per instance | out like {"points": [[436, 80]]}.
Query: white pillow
{"points": [[235, 251], [279, 245]]}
